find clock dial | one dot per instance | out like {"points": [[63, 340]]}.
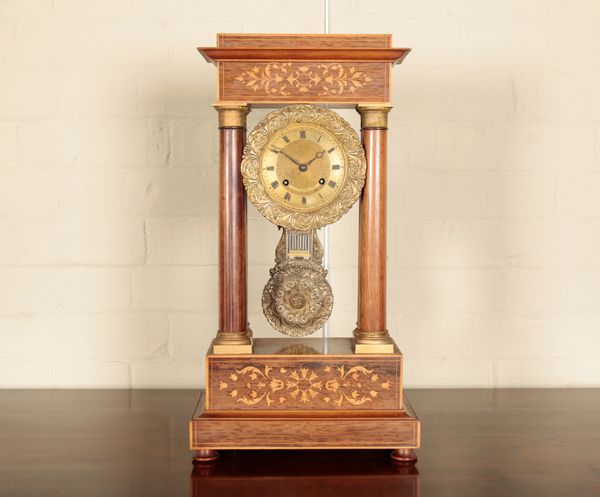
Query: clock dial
{"points": [[302, 167]]}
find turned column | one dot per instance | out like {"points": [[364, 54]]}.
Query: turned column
{"points": [[371, 334], [234, 335]]}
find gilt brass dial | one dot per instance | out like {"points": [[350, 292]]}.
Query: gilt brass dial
{"points": [[303, 167]]}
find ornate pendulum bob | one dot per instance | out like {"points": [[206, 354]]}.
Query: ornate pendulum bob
{"points": [[297, 300]]}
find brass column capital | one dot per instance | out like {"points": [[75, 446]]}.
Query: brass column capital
{"points": [[232, 115], [373, 116]]}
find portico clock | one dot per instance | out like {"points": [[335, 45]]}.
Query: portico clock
{"points": [[303, 167]]}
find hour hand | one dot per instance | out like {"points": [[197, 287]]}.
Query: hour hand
{"points": [[317, 156]]}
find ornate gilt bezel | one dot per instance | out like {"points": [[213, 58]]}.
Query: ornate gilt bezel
{"points": [[354, 156]]}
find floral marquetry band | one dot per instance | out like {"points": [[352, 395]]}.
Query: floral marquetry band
{"points": [[306, 386]]}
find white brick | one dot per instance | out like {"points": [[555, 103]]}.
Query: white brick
{"points": [[579, 335], [151, 87], [190, 335], [583, 286], [167, 374], [194, 142], [547, 242], [342, 322], [9, 144], [548, 94], [426, 93], [80, 241], [592, 95], [176, 289], [441, 335], [344, 284], [31, 33], [514, 42], [9, 337], [508, 336], [96, 289], [445, 290], [28, 93], [577, 194], [523, 194], [543, 145], [29, 290], [8, 243], [429, 194], [100, 42], [263, 238], [97, 93], [107, 143], [28, 193], [442, 242], [182, 241], [427, 34], [257, 279], [80, 374], [26, 374], [531, 373], [113, 9], [436, 373], [173, 191], [585, 373], [183, 98], [535, 290], [343, 242], [93, 337], [404, 332]]}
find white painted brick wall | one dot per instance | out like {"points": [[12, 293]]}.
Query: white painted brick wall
{"points": [[108, 190]]}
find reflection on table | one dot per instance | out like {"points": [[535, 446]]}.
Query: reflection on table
{"points": [[302, 473]]}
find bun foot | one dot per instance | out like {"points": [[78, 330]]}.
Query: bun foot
{"points": [[405, 456], [203, 456]]}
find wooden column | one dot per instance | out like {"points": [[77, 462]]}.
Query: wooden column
{"points": [[234, 335], [371, 334]]}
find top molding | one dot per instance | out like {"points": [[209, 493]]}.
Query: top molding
{"points": [[278, 69]]}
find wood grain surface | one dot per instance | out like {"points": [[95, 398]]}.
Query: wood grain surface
{"points": [[233, 313], [400, 429], [304, 40], [372, 235]]}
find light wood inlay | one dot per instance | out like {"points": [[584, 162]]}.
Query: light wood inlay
{"points": [[306, 383]]}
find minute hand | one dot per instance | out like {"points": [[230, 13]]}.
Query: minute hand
{"points": [[291, 158]]}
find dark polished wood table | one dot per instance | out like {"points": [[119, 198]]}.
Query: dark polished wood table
{"points": [[479, 443]]}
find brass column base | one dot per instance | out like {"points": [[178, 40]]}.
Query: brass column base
{"points": [[369, 342], [233, 343]]}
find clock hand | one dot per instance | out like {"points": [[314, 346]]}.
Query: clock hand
{"points": [[288, 156], [317, 156]]}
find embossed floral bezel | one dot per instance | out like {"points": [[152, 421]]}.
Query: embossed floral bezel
{"points": [[354, 157]]}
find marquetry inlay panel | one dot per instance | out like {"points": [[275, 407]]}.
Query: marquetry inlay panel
{"points": [[296, 383], [304, 80]]}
